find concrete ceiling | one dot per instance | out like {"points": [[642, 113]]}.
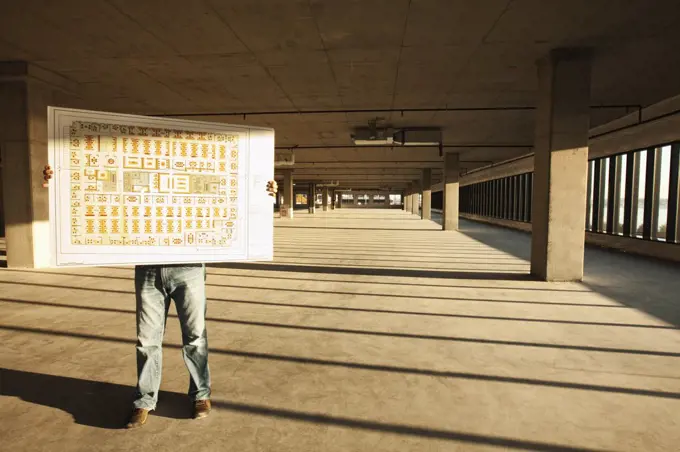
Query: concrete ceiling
{"points": [[213, 57]]}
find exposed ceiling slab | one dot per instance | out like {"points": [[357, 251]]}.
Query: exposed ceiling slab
{"points": [[214, 60]]}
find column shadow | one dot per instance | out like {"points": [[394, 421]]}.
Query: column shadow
{"points": [[372, 271], [105, 405], [646, 284], [91, 403]]}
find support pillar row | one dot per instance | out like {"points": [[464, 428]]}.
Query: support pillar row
{"points": [[561, 165], [25, 93], [311, 198], [286, 209], [408, 199], [426, 213], [324, 201], [415, 201], [451, 192]]}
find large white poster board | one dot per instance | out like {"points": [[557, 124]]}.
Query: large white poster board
{"points": [[141, 190]]}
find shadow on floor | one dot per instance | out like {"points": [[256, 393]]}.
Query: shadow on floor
{"points": [[278, 226], [370, 271], [92, 403], [342, 218], [472, 340], [301, 278], [454, 375], [646, 284], [106, 405]]}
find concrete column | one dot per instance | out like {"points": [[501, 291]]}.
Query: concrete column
{"points": [[286, 209], [2, 208], [311, 198], [451, 192], [408, 199], [560, 165], [25, 93], [333, 200], [324, 202], [426, 213], [415, 202]]}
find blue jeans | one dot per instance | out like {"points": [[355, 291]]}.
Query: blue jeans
{"points": [[155, 286]]}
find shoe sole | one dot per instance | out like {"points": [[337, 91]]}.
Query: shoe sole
{"points": [[134, 426]]}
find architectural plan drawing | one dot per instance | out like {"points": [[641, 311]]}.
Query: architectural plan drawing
{"points": [[133, 189]]}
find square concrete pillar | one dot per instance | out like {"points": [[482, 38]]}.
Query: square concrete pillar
{"points": [[451, 192], [560, 165], [408, 199], [333, 199], [426, 213], [311, 198], [324, 201], [25, 93], [415, 202], [286, 208]]}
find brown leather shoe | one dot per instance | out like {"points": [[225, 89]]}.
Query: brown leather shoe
{"points": [[138, 418], [202, 408]]}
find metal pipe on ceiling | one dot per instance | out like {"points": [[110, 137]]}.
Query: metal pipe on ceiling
{"points": [[375, 161], [245, 114], [447, 146]]}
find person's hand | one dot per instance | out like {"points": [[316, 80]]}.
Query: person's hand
{"points": [[272, 188], [47, 175]]}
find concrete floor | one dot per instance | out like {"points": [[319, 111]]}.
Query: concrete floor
{"points": [[372, 331]]}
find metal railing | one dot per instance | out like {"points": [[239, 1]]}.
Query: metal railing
{"points": [[633, 194], [507, 198]]}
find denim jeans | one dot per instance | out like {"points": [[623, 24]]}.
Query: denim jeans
{"points": [[155, 286]]}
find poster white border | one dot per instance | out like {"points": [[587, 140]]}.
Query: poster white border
{"points": [[254, 233]]}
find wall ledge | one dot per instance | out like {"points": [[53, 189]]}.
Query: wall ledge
{"points": [[647, 248]]}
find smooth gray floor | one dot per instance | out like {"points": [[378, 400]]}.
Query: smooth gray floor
{"points": [[372, 331], [649, 285]]}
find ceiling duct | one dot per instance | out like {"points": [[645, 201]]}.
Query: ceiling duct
{"points": [[373, 135], [386, 136], [418, 137], [335, 183]]}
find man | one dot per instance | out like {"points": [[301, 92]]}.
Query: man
{"points": [[155, 287]]}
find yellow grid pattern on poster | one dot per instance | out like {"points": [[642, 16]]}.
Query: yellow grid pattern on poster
{"points": [[147, 186]]}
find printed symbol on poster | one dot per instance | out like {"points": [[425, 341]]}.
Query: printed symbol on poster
{"points": [[129, 183]]}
